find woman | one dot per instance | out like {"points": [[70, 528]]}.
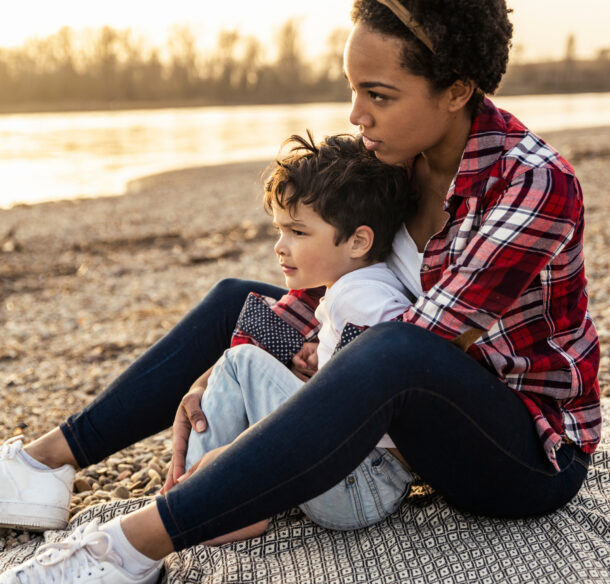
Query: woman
{"points": [[488, 388]]}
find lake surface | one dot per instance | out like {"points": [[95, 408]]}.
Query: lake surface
{"points": [[66, 155]]}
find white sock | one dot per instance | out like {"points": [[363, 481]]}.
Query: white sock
{"points": [[32, 461], [134, 562]]}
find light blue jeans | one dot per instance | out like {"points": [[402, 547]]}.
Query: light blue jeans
{"points": [[246, 384]]}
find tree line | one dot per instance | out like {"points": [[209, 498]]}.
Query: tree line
{"points": [[110, 65], [117, 65]]}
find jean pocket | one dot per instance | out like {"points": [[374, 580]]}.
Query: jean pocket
{"points": [[569, 454]]}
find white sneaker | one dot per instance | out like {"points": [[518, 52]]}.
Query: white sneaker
{"points": [[84, 557], [32, 498]]}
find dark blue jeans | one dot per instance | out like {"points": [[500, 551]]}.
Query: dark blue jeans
{"points": [[456, 424]]}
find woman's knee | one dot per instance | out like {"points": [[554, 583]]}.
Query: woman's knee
{"points": [[406, 343], [232, 292], [230, 288]]}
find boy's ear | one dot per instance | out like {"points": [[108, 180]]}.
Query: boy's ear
{"points": [[362, 241]]}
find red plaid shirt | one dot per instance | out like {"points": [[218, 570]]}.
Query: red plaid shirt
{"points": [[510, 261]]}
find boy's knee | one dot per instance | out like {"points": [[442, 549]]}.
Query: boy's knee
{"points": [[244, 351], [246, 355]]}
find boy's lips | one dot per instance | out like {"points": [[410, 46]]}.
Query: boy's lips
{"points": [[287, 269], [370, 144]]}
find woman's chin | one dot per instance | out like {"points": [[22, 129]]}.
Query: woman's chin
{"points": [[393, 159]]}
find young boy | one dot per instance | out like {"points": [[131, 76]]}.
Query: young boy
{"points": [[337, 210]]}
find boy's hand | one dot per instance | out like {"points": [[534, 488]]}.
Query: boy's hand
{"points": [[305, 362], [189, 416]]}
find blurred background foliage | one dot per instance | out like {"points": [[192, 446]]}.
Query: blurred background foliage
{"points": [[93, 68]]}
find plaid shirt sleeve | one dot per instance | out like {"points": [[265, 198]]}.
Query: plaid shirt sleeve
{"points": [[520, 233]]}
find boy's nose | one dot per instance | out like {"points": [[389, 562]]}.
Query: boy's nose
{"points": [[280, 247]]}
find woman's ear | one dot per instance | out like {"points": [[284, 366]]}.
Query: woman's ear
{"points": [[460, 93], [361, 241]]}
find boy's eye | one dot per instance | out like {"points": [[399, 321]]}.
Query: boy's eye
{"points": [[297, 232]]}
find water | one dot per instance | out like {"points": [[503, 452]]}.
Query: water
{"points": [[66, 155]]}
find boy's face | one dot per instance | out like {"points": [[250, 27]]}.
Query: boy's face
{"points": [[306, 249]]}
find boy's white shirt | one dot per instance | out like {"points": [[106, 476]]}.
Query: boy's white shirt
{"points": [[364, 297]]}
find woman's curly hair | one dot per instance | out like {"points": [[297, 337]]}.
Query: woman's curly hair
{"points": [[471, 40]]}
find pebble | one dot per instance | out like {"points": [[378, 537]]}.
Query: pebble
{"points": [[121, 492], [81, 485]]}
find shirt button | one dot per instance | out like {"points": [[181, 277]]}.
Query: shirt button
{"points": [[425, 268]]}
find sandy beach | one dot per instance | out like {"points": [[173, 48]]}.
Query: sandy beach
{"points": [[87, 285]]}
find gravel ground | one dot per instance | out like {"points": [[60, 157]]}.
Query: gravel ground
{"points": [[86, 286]]}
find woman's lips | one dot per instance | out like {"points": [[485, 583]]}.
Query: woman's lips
{"points": [[287, 269], [370, 144]]}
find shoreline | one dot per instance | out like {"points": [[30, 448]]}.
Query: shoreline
{"points": [[575, 144], [75, 106], [86, 285]]}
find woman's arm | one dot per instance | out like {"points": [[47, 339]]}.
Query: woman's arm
{"points": [[188, 416], [522, 230]]}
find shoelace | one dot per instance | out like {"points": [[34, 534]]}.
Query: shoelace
{"points": [[10, 448], [81, 554]]}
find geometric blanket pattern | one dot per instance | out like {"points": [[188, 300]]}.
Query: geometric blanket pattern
{"points": [[425, 542]]}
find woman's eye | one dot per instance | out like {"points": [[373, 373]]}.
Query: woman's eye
{"points": [[376, 96], [297, 232]]}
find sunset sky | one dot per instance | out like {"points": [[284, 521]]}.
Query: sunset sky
{"points": [[541, 26]]}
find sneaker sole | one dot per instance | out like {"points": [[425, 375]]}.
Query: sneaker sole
{"points": [[32, 517]]}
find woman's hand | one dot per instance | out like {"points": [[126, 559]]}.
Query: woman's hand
{"points": [[305, 362], [188, 416]]}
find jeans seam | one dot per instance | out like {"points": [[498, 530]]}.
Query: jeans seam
{"points": [[373, 490], [179, 533], [582, 463], [75, 441], [354, 493]]}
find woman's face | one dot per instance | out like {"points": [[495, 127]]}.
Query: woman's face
{"points": [[397, 112]]}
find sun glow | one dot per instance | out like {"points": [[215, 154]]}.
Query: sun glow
{"points": [[587, 21]]}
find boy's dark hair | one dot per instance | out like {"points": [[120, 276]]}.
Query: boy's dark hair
{"points": [[346, 185], [471, 40]]}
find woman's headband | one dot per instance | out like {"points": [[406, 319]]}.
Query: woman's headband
{"points": [[405, 17]]}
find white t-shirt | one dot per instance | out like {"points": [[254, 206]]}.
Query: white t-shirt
{"points": [[363, 297], [405, 261]]}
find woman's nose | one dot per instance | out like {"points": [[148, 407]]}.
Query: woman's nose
{"points": [[358, 116]]}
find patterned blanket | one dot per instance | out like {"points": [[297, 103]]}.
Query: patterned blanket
{"points": [[425, 541]]}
